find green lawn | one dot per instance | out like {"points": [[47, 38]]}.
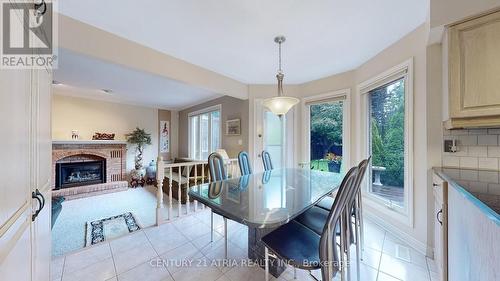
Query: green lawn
{"points": [[320, 164]]}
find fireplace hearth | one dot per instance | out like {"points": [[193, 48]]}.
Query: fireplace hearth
{"points": [[80, 173]]}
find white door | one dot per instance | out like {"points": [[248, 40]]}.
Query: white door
{"points": [[42, 147], [15, 188], [25, 147], [275, 135]]}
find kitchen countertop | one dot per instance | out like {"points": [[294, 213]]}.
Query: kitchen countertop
{"points": [[481, 187]]}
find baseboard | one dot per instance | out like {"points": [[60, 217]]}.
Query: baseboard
{"points": [[408, 239]]}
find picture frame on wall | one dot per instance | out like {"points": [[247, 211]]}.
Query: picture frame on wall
{"points": [[233, 127]]}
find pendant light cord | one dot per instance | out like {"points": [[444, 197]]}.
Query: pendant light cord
{"points": [[279, 58], [280, 74]]}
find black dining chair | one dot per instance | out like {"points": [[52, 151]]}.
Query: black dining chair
{"points": [[266, 161], [244, 163], [218, 172], [316, 217], [301, 247], [327, 202]]}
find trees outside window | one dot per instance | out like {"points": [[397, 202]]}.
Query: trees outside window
{"points": [[326, 128]]}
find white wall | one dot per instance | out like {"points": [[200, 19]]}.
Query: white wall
{"points": [[91, 116], [174, 130]]}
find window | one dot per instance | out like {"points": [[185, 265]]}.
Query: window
{"points": [[387, 134], [204, 132], [326, 132], [327, 127], [387, 142]]}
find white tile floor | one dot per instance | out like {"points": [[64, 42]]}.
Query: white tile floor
{"points": [[181, 250]]}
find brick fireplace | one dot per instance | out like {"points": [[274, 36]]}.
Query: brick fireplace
{"points": [[85, 168]]}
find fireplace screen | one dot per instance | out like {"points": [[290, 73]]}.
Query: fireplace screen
{"points": [[80, 173]]}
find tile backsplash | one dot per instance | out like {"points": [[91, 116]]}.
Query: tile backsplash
{"points": [[477, 149]]}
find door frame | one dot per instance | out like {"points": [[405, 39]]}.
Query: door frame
{"points": [[346, 124]]}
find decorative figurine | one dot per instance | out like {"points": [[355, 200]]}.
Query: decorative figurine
{"points": [[151, 173]]}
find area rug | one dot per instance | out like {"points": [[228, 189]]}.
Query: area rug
{"points": [[109, 228]]}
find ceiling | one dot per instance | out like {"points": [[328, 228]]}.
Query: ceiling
{"points": [[235, 38], [84, 77]]}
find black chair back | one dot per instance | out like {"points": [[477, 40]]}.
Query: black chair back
{"points": [[216, 167], [327, 242], [266, 161], [244, 163]]}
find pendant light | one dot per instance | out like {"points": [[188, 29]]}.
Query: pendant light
{"points": [[280, 105]]}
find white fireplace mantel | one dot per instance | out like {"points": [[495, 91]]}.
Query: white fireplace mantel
{"points": [[88, 142]]}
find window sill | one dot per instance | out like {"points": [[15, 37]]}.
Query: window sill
{"points": [[398, 214]]}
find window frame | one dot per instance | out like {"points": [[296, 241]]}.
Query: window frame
{"points": [[198, 113], [403, 70]]}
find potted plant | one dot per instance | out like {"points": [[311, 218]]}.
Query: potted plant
{"points": [[334, 162], [140, 139]]}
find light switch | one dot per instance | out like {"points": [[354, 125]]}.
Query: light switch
{"points": [[240, 142]]}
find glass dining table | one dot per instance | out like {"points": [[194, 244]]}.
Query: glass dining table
{"points": [[264, 201]]}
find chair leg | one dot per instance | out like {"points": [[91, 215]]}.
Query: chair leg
{"points": [[358, 223], [266, 261], [358, 246], [294, 273], [342, 249], [356, 231], [361, 225], [225, 238], [211, 226], [327, 271], [348, 224]]}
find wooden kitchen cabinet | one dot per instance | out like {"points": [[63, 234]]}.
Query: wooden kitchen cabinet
{"points": [[472, 59]]}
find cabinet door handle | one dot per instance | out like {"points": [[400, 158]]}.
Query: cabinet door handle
{"points": [[40, 205], [39, 194], [435, 184], [437, 216]]}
